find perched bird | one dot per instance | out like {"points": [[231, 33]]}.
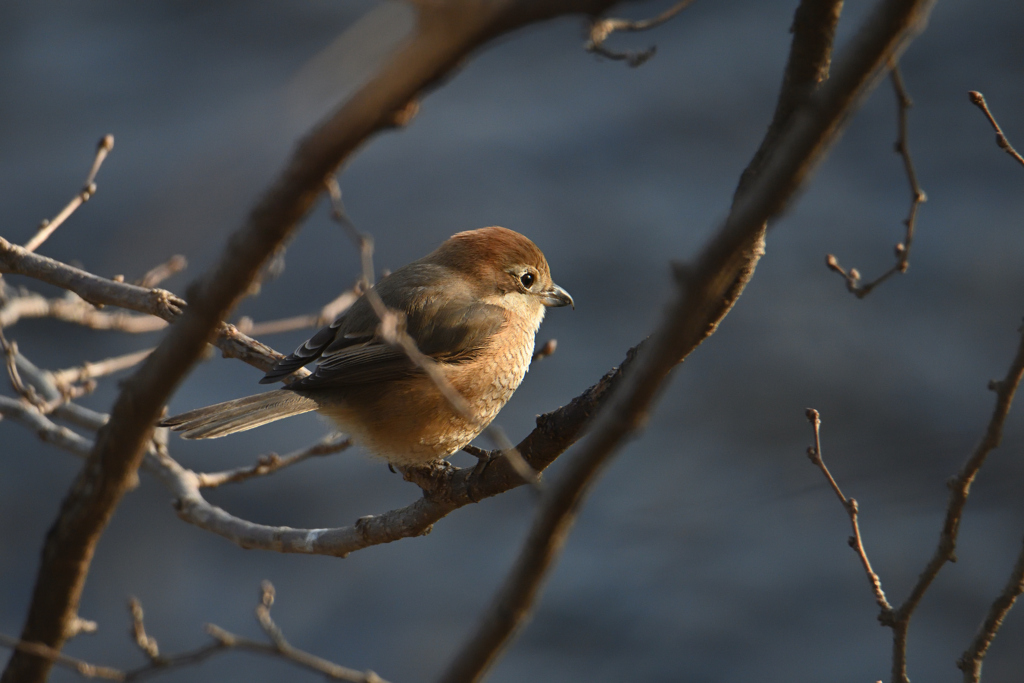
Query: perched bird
{"points": [[473, 306]]}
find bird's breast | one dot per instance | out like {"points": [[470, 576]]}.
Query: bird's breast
{"points": [[409, 421]]}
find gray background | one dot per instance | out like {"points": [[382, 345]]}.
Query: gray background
{"points": [[711, 550]]}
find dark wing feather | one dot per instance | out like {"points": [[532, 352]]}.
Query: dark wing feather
{"points": [[447, 323]]}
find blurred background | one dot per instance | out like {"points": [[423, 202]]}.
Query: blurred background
{"points": [[711, 550]]}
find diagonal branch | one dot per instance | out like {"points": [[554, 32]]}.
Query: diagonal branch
{"points": [[978, 100], [47, 227], [444, 36], [970, 661], [704, 286]]}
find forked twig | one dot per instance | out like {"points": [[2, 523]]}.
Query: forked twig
{"points": [[222, 642], [601, 29], [917, 197], [47, 227]]}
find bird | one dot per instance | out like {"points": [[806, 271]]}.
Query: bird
{"points": [[473, 306]]}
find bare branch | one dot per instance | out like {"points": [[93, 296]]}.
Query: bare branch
{"points": [[30, 416], [601, 29], [158, 274], [83, 668], [89, 371], [94, 289], [695, 311], [47, 227], [147, 644], [850, 505], [156, 302], [959, 487], [978, 100], [327, 314], [223, 641], [917, 197], [970, 661], [73, 309], [268, 464]]}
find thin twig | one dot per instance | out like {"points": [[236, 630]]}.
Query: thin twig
{"points": [[94, 370], [158, 274], [917, 197], [146, 643], [159, 303], [850, 505], [73, 309], [601, 29], [280, 646], [268, 464], [970, 661], [327, 314], [223, 641], [978, 100], [47, 227]]}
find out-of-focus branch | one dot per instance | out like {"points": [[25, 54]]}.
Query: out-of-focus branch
{"points": [[703, 288], [73, 309], [94, 370], [48, 431], [83, 668], [601, 29], [852, 509], [970, 661], [978, 100], [324, 316], [917, 197], [548, 348], [158, 274], [47, 227]]}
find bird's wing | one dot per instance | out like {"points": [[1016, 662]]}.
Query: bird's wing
{"points": [[446, 322]]}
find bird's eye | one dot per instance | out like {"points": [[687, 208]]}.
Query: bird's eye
{"points": [[527, 279]]}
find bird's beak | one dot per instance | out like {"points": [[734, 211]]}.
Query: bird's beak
{"points": [[556, 296]]}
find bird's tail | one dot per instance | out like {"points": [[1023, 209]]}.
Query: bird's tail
{"points": [[219, 420]]}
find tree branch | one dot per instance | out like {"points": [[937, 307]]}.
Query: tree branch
{"points": [[978, 100], [917, 197], [696, 310], [970, 661], [444, 35]]}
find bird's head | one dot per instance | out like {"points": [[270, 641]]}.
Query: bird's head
{"points": [[506, 268]]}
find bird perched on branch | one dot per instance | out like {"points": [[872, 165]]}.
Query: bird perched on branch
{"points": [[472, 307]]}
